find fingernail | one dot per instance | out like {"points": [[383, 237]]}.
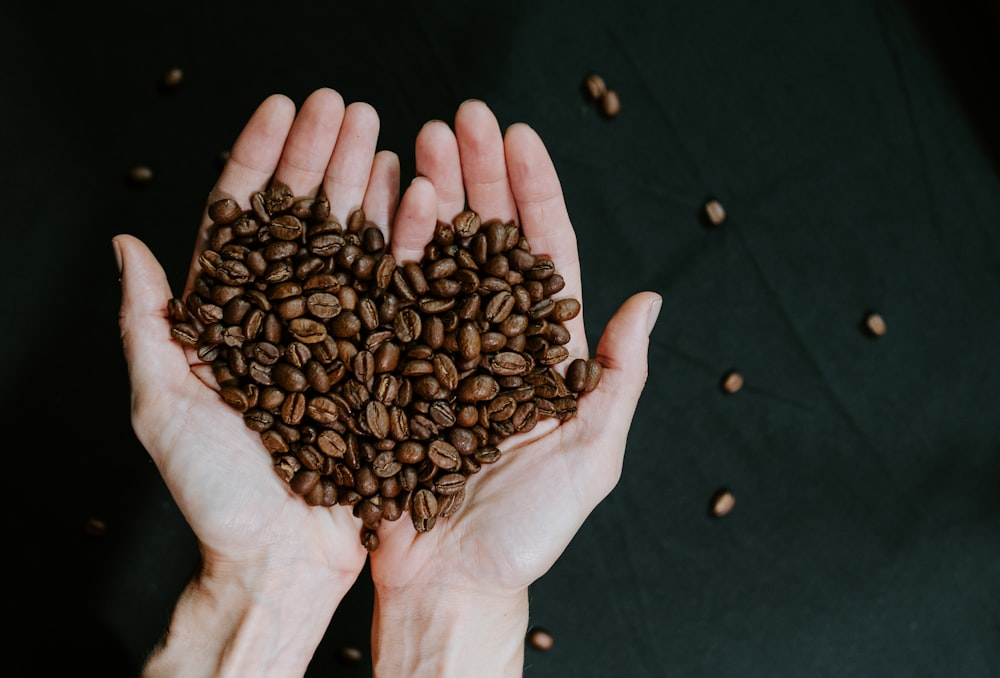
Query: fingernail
{"points": [[118, 255], [654, 313]]}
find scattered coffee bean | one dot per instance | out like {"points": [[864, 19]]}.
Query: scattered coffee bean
{"points": [[540, 638], [723, 502], [95, 527], [875, 324], [714, 212], [732, 382], [349, 654], [172, 78], [594, 86], [377, 386], [609, 103], [140, 174]]}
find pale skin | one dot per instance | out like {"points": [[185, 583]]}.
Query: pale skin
{"points": [[452, 601]]}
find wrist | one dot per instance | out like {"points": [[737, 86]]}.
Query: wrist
{"points": [[233, 621], [440, 633]]}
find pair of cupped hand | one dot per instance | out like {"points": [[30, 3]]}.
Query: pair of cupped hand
{"points": [[520, 513]]}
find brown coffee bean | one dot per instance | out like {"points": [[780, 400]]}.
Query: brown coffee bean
{"points": [[449, 483], [377, 418], [875, 324], [732, 382], [448, 504], [224, 211], [610, 105], [424, 509], [722, 503], [172, 78], [508, 363], [540, 639], [477, 388], [594, 86], [304, 480], [466, 224], [369, 510], [565, 309], [444, 455], [714, 212]]}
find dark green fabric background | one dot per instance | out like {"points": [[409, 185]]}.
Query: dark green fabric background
{"points": [[854, 146]]}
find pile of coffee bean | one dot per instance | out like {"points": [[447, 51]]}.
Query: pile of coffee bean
{"points": [[373, 384]]}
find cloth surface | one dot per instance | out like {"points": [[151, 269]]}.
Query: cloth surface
{"points": [[853, 147]]}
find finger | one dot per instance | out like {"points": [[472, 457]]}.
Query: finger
{"points": [[415, 221], [310, 142], [544, 218], [382, 195], [436, 154], [622, 352], [484, 171], [153, 358], [350, 166], [252, 161]]}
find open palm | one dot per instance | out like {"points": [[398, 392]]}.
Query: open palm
{"points": [[520, 513]]}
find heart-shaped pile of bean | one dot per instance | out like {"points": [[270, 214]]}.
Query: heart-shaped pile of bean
{"points": [[373, 384]]}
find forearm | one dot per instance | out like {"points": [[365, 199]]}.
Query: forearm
{"points": [[445, 634], [245, 626]]}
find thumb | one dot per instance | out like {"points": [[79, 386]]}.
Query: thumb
{"points": [[150, 352], [622, 352]]}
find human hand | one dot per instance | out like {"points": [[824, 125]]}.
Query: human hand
{"points": [[262, 547], [453, 600]]}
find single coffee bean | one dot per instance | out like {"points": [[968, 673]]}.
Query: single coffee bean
{"points": [[875, 324], [732, 382], [224, 211], [722, 503], [443, 455], [477, 388], [714, 212], [609, 103], [304, 481], [540, 639], [424, 504], [466, 224], [594, 86], [448, 504]]}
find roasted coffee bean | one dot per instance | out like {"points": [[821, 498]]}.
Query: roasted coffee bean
{"points": [[369, 510], [477, 388], [293, 409], [466, 223], [469, 340], [487, 455], [443, 455], [540, 639], [365, 481], [442, 414], [594, 86], [424, 508], [304, 480], [609, 104], [565, 309], [407, 325], [376, 418], [224, 211], [732, 381], [449, 483]]}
